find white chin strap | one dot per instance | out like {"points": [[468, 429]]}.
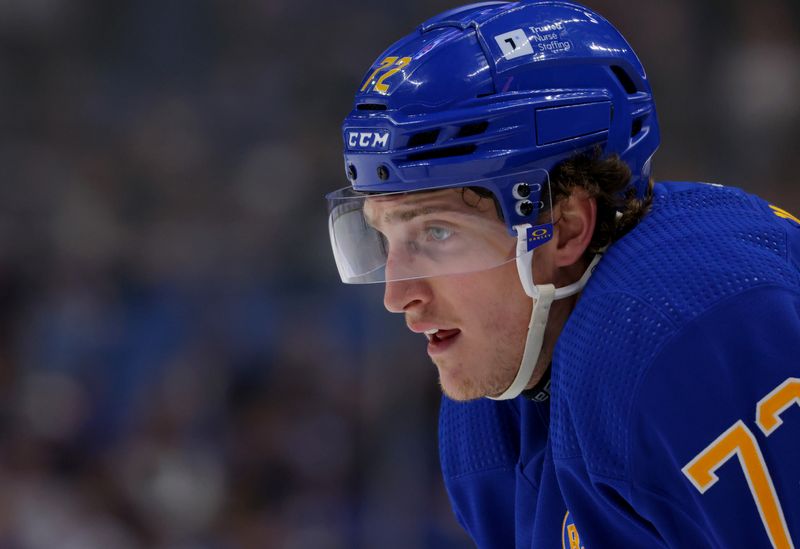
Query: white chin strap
{"points": [[543, 296]]}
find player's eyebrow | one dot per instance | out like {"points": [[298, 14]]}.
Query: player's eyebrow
{"points": [[403, 215]]}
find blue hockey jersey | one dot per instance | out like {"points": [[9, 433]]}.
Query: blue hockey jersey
{"points": [[674, 419]]}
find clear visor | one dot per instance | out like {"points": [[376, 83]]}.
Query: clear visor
{"points": [[382, 237]]}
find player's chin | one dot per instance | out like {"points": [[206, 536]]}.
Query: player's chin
{"points": [[459, 388]]}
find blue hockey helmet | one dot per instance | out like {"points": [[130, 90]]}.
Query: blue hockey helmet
{"points": [[478, 95]]}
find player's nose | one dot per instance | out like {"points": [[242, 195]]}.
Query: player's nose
{"points": [[399, 296]]}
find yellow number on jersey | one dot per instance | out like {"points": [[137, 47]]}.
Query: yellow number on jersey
{"points": [[774, 404], [739, 440], [780, 212]]}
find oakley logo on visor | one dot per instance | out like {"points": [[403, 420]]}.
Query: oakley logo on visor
{"points": [[538, 235], [367, 140]]}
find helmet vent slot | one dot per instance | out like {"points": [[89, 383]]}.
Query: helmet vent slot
{"points": [[371, 107], [636, 127], [445, 152], [624, 79], [423, 138], [474, 128]]}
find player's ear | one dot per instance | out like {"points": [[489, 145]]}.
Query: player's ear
{"points": [[575, 217]]}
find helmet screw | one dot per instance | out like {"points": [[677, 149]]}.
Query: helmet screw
{"points": [[525, 208], [351, 172], [521, 191], [383, 173]]}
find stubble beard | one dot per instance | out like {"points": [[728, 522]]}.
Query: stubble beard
{"points": [[483, 374]]}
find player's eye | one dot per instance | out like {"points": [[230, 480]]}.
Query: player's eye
{"points": [[439, 234]]}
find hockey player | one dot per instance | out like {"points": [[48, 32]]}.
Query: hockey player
{"points": [[637, 343]]}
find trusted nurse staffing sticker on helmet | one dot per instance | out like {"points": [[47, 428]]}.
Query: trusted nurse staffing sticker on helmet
{"points": [[582, 318]]}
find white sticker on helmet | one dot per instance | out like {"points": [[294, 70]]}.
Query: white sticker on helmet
{"points": [[514, 44]]}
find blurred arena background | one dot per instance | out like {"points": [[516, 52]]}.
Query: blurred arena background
{"points": [[179, 365]]}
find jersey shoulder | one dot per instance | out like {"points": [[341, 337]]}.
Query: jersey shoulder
{"points": [[699, 246]]}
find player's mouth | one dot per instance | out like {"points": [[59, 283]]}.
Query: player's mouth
{"points": [[440, 340]]}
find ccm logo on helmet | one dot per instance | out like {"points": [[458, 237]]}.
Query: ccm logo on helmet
{"points": [[370, 140]]}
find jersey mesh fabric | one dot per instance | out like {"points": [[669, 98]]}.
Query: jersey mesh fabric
{"points": [[479, 449], [477, 436], [700, 244]]}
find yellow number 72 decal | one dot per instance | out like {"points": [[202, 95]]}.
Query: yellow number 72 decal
{"points": [[396, 63], [739, 440]]}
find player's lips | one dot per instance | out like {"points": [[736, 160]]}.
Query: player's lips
{"points": [[428, 328], [439, 338], [442, 340]]}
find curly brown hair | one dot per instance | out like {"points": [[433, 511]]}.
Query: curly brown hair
{"points": [[606, 180]]}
